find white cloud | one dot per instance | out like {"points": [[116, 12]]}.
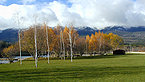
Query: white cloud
{"points": [[94, 13], [8, 17], [100, 13], [64, 15]]}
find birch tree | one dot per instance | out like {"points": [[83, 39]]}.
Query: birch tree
{"points": [[62, 42], [35, 37], [45, 19], [70, 39], [59, 32], [47, 42], [19, 21]]}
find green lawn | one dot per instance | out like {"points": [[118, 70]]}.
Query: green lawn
{"points": [[125, 68]]}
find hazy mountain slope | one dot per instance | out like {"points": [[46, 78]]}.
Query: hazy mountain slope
{"points": [[9, 35]]}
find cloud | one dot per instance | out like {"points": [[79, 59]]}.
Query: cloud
{"points": [[93, 13], [8, 18], [101, 13], [64, 15]]}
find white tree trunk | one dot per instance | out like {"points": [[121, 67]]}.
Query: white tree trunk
{"points": [[63, 44], [19, 33], [70, 39], [60, 54], [20, 45], [36, 47], [47, 43], [35, 37]]}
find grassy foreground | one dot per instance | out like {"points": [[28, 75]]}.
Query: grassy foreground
{"points": [[125, 68]]}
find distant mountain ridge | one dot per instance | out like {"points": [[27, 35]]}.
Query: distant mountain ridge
{"points": [[120, 28], [9, 35], [130, 35], [89, 30]]}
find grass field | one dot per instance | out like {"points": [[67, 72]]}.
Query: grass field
{"points": [[123, 68]]}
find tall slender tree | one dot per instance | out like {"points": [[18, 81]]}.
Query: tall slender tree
{"points": [[45, 19], [70, 39], [62, 42], [47, 42], [19, 21], [35, 37]]}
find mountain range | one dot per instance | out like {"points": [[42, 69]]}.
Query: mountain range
{"points": [[132, 35], [89, 30], [9, 35]]}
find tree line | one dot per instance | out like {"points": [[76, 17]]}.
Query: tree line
{"points": [[3, 45], [62, 42]]}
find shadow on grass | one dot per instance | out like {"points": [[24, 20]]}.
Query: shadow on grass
{"points": [[81, 57], [99, 56], [68, 73]]}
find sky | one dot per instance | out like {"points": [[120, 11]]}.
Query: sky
{"points": [[79, 13]]}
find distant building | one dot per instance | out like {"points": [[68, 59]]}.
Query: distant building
{"points": [[119, 52]]}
